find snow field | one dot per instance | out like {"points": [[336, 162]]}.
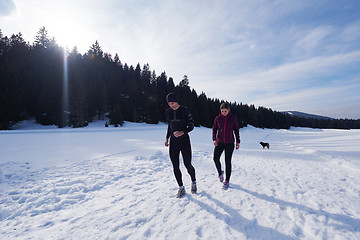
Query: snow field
{"points": [[117, 183]]}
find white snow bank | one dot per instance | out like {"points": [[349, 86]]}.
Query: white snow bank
{"points": [[117, 183]]}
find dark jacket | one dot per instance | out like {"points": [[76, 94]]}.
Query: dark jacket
{"points": [[179, 120], [224, 128]]}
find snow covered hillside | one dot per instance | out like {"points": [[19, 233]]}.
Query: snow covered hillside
{"points": [[117, 183]]}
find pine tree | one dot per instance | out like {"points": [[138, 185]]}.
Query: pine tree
{"points": [[204, 113], [117, 60], [116, 117], [95, 50], [42, 39], [184, 83], [13, 56]]}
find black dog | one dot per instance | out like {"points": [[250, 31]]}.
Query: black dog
{"points": [[263, 144]]}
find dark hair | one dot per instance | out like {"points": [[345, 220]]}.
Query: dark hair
{"points": [[225, 106]]}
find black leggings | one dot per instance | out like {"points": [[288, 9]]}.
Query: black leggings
{"points": [[229, 149], [177, 145]]}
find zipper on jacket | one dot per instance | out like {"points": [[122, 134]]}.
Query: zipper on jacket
{"points": [[224, 128]]}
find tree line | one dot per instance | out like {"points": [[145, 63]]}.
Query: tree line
{"points": [[55, 86]]}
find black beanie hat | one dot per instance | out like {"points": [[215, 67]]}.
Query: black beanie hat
{"points": [[171, 97]]}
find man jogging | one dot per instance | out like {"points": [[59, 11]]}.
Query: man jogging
{"points": [[180, 123]]}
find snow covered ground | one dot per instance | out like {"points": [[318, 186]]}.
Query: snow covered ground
{"points": [[117, 183]]}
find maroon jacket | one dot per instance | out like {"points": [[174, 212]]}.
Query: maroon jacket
{"points": [[224, 127]]}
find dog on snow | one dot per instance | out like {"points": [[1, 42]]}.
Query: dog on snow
{"points": [[264, 144]]}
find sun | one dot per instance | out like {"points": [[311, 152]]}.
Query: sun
{"points": [[69, 34], [69, 22], [69, 31]]}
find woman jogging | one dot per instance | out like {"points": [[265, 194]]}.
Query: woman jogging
{"points": [[224, 127], [180, 123]]}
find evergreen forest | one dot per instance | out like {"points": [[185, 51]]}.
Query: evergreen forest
{"points": [[56, 86]]}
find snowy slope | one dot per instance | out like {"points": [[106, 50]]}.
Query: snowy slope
{"points": [[306, 115], [117, 183]]}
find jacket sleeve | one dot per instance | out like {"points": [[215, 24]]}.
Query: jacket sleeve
{"points": [[214, 129], [189, 121], [236, 130], [168, 133]]}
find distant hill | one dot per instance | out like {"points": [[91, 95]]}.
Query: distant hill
{"points": [[306, 115]]}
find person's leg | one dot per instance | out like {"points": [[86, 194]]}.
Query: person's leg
{"points": [[174, 152], [229, 149], [217, 153], [186, 154]]}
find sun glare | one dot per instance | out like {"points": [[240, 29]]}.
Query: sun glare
{"points": [[69, 34], [68, 29]]}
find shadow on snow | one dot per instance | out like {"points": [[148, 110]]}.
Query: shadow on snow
{"points": [[250, 228], [349, 223]]}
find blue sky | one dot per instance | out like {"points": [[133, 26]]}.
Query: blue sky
{"points": [[284, 55]]}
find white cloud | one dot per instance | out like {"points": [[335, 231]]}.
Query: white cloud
{"points": [[312, 40], [295, 75], [7, 7], [351, 32], [309, 84]]}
